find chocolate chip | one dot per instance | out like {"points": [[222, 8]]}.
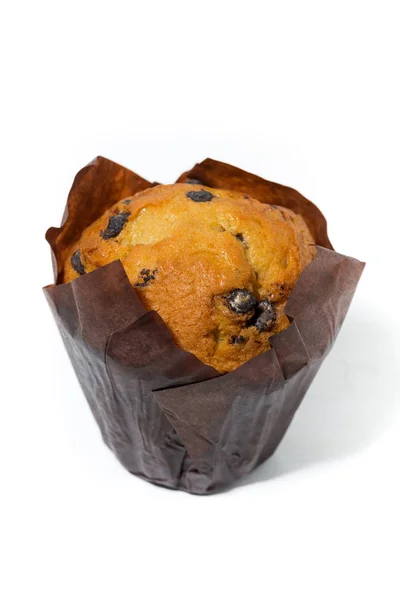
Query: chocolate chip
{"points": [[267, 317], [264, 322], [115, 225], [245, 196], [127, 201], [77, 263], [264, 317], [237, 339], [265, 305], [195, 181], [146, 276], [241, 301], [200, 196]]}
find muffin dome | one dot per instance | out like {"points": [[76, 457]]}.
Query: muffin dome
{"points": [[216, 265]]}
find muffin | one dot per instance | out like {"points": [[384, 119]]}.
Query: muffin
{"points": [[171, 343], [218, 266]]}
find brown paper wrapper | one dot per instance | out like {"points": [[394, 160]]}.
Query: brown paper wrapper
{"points": [[169, 418]]}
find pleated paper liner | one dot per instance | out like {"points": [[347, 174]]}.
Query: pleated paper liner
{"points": [[168, 417]]}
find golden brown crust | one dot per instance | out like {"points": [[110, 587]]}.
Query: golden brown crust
{"points": [[221, 175], [205, 262], [96, 187]]}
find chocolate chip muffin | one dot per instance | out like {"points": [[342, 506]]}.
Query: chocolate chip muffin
{"points": [[217, 265]]}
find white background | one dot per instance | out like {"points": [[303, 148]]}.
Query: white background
{"points": [[304, 93]]}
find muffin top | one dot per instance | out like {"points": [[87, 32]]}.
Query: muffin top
{"points": [[216, 265]]}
